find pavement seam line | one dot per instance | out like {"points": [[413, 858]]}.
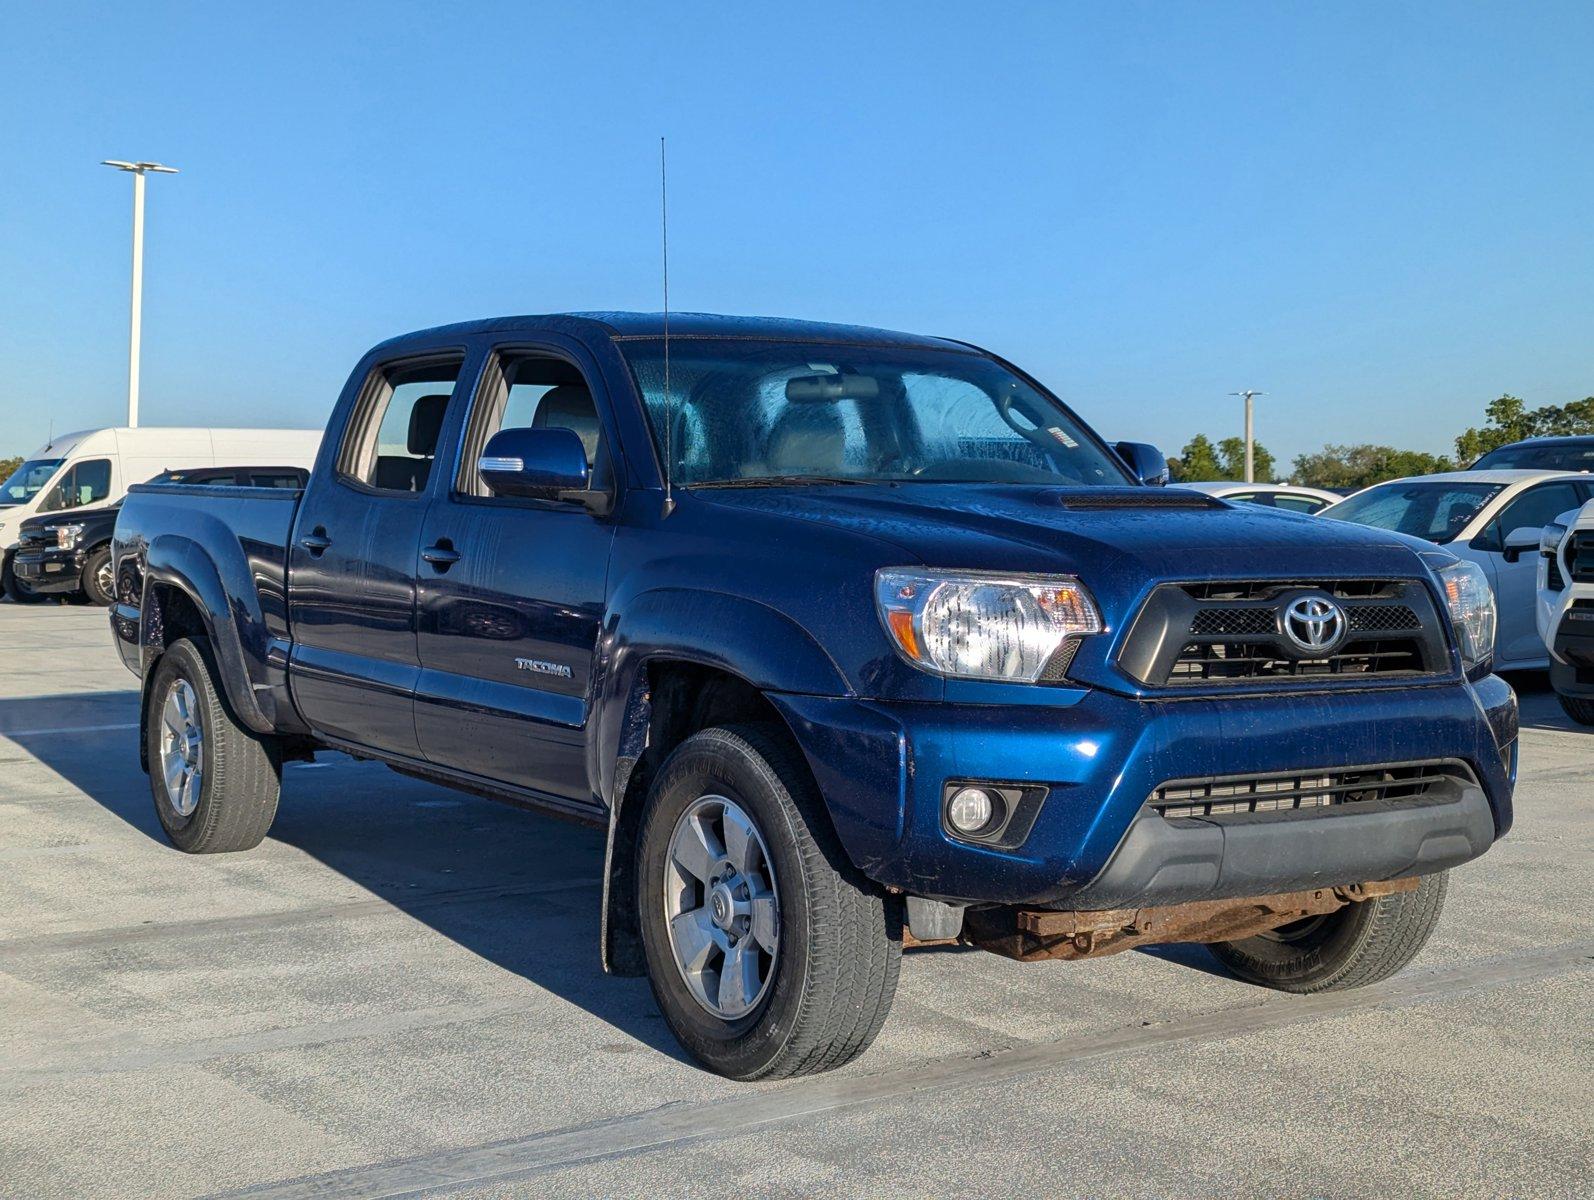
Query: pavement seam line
{"points": [[680, 1123]]}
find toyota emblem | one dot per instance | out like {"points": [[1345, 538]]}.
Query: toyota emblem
{"points": [[1314, 624]]}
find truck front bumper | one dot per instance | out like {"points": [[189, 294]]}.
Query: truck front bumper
{"points": [[1096, 762], [1572, 666], [48, 571]]}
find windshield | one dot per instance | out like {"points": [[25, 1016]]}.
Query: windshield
{"points": [[751, 413], [1556, 456], [1437, 511], [26, 481]]}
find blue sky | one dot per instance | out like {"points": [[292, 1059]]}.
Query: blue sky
{"points": [[1382, 215]]}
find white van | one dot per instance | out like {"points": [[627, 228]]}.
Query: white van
{"points": [[97, 466]]}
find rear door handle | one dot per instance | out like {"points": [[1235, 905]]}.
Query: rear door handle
{"points": [[316, 541], [442, 556]]}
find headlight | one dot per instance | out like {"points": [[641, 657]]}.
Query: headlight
{"points": [[1471, 603], [1550, 539], [66, 536], [978, 625]]}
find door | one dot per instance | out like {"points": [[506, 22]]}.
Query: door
{"points": [[1517, 641], [352, 564], [511, 598]]}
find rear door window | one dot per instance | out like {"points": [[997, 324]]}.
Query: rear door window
{"points": [[392, 437]]}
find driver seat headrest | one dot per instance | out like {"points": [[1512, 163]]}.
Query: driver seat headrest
{"points": [[570, 406], [426, 423]]}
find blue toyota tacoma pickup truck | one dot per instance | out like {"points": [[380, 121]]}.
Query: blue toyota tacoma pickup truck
{"points": [[848, 639]]}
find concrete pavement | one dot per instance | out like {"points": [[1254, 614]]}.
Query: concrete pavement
{"points": [[399, 993]]}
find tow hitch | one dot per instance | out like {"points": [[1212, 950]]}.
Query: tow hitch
{"points": [[1034, 934]]}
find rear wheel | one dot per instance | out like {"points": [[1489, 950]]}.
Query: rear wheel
{"points": [[1578, 708], [98, 584], [215, 782], [1364, 942], [768, 954]]}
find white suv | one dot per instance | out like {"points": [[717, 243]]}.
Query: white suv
{"points": [[1566, 609]]}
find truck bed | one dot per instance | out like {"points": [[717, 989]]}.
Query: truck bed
{"points": [[229, 546]]}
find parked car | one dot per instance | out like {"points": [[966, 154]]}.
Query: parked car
{"points": [[1541, 454], [68, 553], [94, 468], [1288, 496], [1493, 518], [829, 628], [1566, 609]]}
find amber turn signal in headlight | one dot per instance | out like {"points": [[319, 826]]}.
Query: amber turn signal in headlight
{"points": [[980, 625]]}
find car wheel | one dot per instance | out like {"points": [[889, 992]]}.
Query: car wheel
{"points": [[1578, 708], [768, 953], [98, 583], [215, 782], [1364, 942]]}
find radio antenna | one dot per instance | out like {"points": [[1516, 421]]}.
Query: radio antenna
{"points": [[669, 399]]}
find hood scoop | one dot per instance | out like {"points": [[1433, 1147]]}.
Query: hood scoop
{"points": [[1141, 497]]}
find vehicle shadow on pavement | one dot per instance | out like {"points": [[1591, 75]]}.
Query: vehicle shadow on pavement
{"points": [[518, 889]]}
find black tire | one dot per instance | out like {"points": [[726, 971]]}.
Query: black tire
{"points": [[242, 772], [1578, 708], [1362, 943], [18, 591], [840, 936], [98, 562]]}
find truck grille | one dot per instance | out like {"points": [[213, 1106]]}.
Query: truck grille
{"points": [[1288, 792], [1580, 556], [1234, 633]]}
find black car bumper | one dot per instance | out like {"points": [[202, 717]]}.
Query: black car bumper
{"points": [[48, 571]]}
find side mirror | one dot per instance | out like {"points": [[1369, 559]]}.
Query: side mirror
{"points": [[1521, 541], [539, 464], [1145, 461]]}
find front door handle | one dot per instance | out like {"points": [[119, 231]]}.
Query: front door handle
{"points": [[316, 541], [442, 556]]}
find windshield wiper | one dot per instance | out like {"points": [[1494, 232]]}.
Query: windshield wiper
{"points": [[756, 481]]}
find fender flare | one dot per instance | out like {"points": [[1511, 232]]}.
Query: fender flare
{"points": [[741, 637], [230, 611]]}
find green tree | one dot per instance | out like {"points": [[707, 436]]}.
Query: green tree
{"points": [[1508, 419], [8, 465], [1360, 466], [1232, 451], [1198, 461]]}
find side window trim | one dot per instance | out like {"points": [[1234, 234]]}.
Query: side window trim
{"points": [[489, 401]]}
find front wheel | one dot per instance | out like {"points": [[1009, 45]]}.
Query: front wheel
{"points": [[767, 952], [1578, 708], [97, 582], [215, 782], [1364, 942]]}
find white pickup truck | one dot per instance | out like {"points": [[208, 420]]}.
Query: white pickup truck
{"points": [[1566, 609]]}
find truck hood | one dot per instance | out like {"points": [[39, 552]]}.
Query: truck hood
{"points": [[1129, 535]]}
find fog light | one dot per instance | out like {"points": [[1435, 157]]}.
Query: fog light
{"points": [[970, 810]]}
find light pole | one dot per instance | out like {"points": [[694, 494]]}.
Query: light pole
{"points": [[138, 169], [1250, 457]]}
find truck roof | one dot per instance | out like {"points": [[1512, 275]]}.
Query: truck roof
{"points": [[683, 324]]}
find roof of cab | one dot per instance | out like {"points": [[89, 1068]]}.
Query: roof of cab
{"points": [[683, 324]]}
